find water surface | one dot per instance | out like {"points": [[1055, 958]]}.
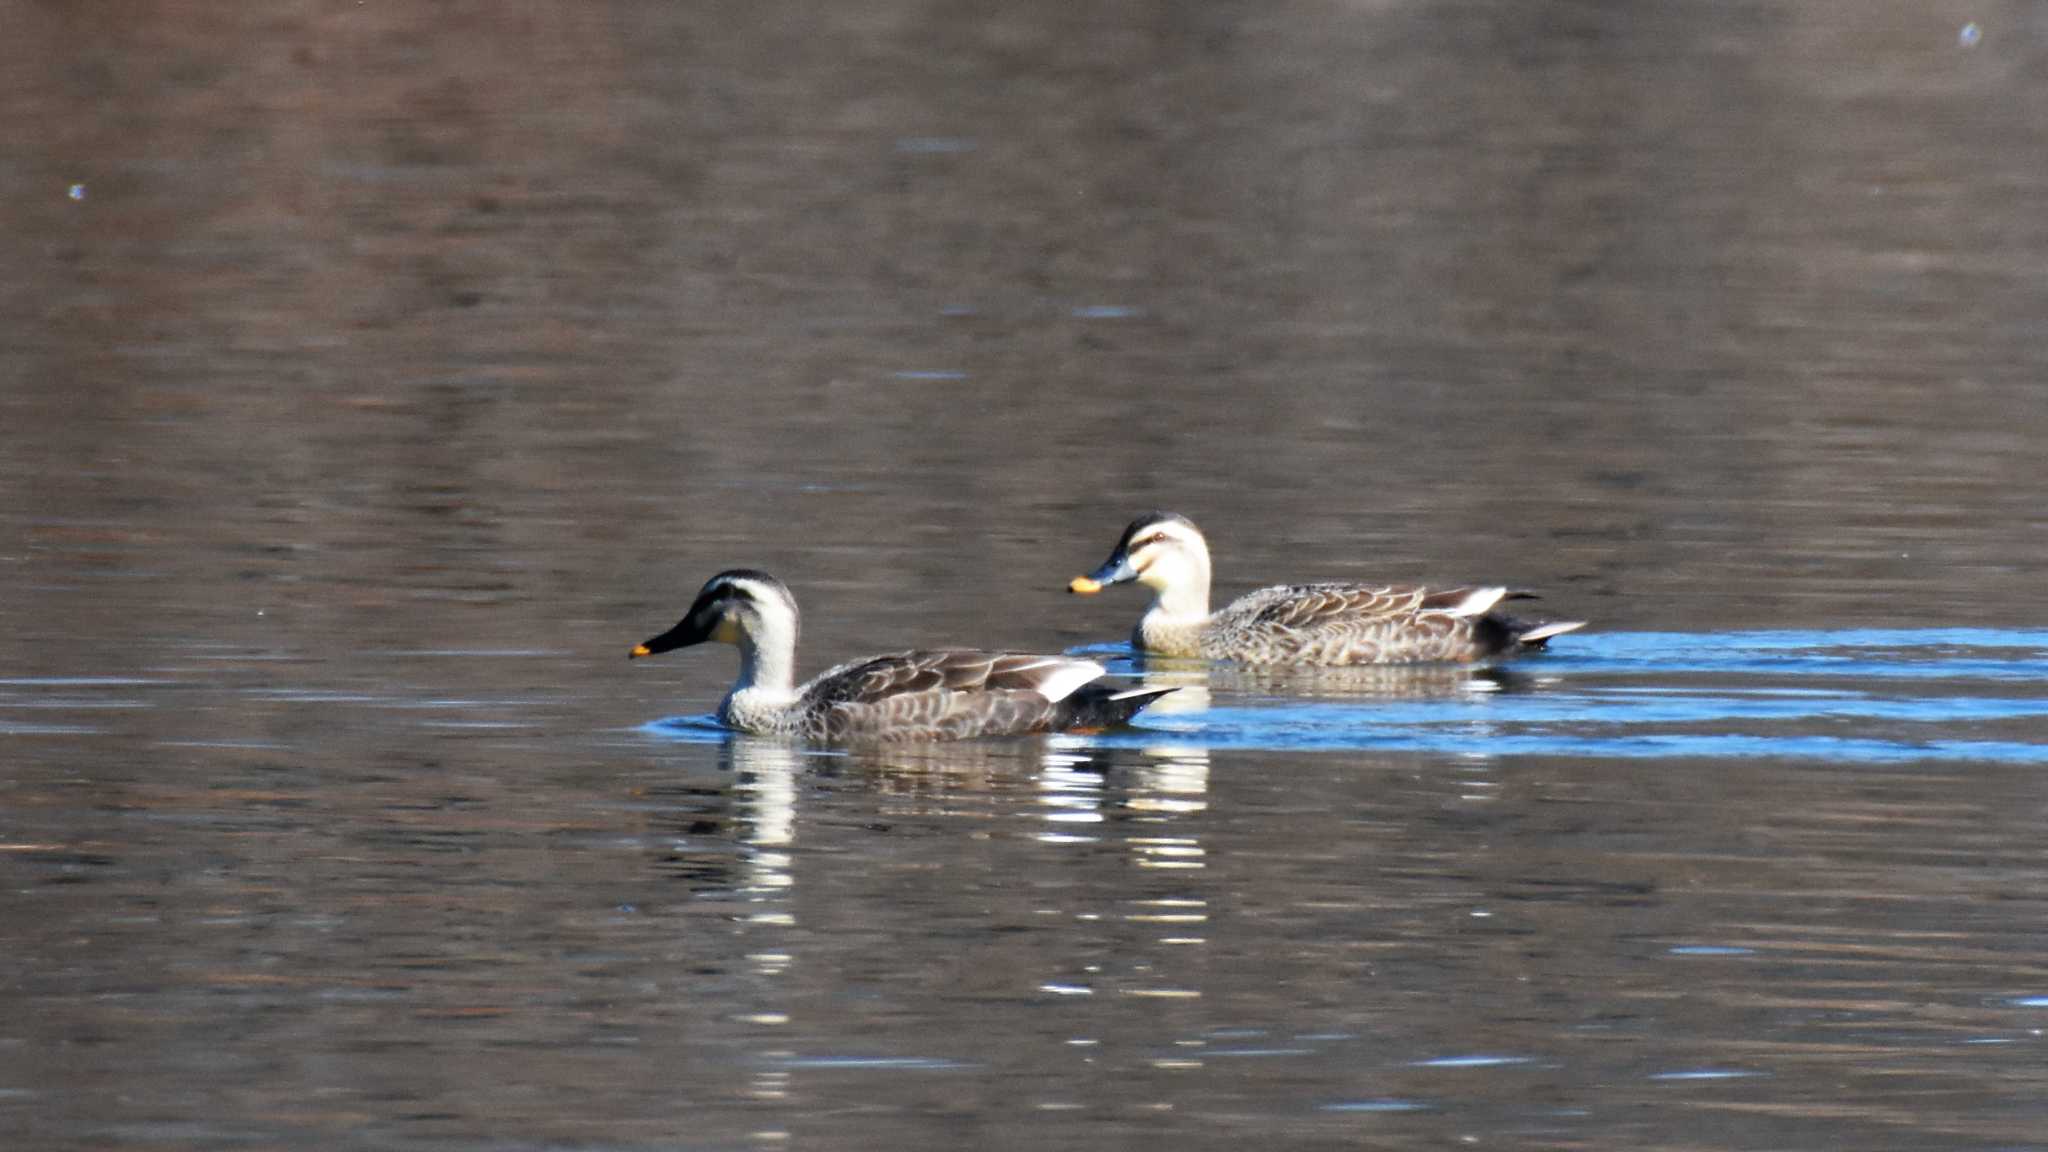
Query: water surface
{"points": [[377, 375]]}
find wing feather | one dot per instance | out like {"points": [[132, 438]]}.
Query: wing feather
{"points": [[1356, 623], [945, 693]]}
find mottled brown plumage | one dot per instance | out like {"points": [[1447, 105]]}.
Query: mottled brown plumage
{"points": [[1335, 624], [1314, 624], [942, 694]]}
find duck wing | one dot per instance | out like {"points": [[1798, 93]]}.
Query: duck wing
{"points": [[947, 693], [1360, 624], [1310, 606]]}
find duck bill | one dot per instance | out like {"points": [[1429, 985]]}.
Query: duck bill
{"points": [[683, 635], [1116, 570]]}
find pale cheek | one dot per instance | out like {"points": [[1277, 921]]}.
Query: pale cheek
{"points": [[727, 632]]}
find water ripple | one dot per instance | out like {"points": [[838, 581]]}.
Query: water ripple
{"points": [[1863, 696], [1870, 696]]}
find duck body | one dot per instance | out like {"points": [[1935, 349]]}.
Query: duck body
{"points": [[1342, 624], [1304, 624], [934, 694]]}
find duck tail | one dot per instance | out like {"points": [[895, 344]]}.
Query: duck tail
{"points": [[1096, 706], [1539, 636]]}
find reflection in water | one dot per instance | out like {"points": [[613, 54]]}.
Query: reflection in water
{"points": [[1085, 790], [1084, 787], [765, 777], [765, 774], [696, 822], [1367, 681], [1146, 801], [1872, 696], [1072, 789]]}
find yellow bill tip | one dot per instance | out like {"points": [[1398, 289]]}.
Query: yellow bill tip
{"points": [[640, 650], [1082, 585]]}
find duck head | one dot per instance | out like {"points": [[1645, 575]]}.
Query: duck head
{"points": [[748, 609], [1166, 553]]}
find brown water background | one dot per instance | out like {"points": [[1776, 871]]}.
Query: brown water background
{"points": [[373, 375]]}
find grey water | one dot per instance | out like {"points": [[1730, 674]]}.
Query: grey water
{"points": [[372, 377]]}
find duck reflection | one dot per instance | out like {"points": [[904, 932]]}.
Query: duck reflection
{"points": [[1456, 708], [697, 826], [1082, 791], [1198, 679], [765, 774], [764, 779], [1086, 805], [1114, 831]]}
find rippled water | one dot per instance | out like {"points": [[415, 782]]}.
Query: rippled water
{"points": [[377, 374], [1750, 885], [1789, 695], [1829, 696]]}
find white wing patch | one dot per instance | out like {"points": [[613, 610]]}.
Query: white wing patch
{"points": [[1545, 632], [1477, 603], [1071, 675]]}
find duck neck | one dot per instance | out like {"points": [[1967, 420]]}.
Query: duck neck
{"points": [[1180, 586], [768, 660], [1168, 635], [1180, 610], [1184, 601]]}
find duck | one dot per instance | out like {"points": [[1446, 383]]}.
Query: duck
{"points": [[1304, 624], [934, 694]]}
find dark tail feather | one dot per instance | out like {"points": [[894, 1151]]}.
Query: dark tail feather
{"points": [[1097, 706]]}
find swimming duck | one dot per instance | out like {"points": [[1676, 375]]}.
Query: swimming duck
{"points": [[1303, 623], [940, 694]]}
